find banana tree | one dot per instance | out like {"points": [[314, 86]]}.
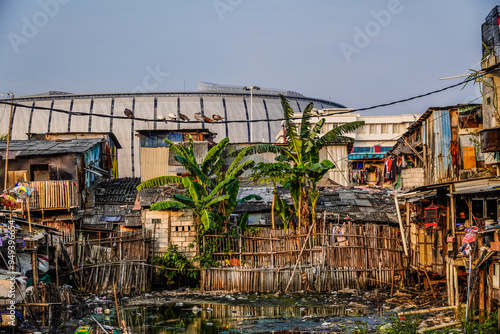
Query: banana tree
{"points": [[275, 173], [301, 150], [210, 194]]}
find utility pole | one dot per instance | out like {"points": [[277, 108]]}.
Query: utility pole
{"points": [[251, 88], [8, 140]]}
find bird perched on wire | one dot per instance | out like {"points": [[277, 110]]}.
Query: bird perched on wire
{"points": [[172, 116], [198, 117], [217, 117], [208, 119], [128, 113], [184, 117]]}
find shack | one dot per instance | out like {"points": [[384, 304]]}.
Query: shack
{"points": [[355, 244], [446, 185]]}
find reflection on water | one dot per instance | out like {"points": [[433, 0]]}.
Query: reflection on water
{"points": [[220, 318]]}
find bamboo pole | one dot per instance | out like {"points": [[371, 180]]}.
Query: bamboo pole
{"points": [[403, 235], [116, 304], [8, 142], [428, 329], [429, 310], [298, 258]]}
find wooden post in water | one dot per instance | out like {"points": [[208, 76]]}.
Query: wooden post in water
{"points": [[298, 258]]}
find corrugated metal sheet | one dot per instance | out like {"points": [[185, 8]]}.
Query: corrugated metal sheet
{"points": [[442, 140], [154, 162], [338, 155]]}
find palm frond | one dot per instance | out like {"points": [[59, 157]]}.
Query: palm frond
{"points": [[216, 200], [197, 191], [257, 149], [243, 153], [334, 135], [159, 181], [232, 190], [305, 125], [240, 169], [213, 155], [317, 128], [216, 167], [183, 199], [179, 150], [221, 185], [248, 197], [168, 205], [292, 139], [206, 219], [194, 170], [243, 220], [190, 149], [282, 209]]}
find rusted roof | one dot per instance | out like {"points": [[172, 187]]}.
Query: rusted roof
{"points": [[121, 190], [47, 147], [158, 194], [354, 204]]}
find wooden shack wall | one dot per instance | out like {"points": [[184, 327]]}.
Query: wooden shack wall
{"points": [[340, 256]]}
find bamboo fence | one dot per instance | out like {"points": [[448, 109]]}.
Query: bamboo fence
{"points": [[342, 256], [53, 194], [46, 302], [121, 259]]}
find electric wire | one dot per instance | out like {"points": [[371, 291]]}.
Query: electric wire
{"points": [[75, 113]]}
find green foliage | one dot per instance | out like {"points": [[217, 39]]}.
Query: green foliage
{"points": [[276, 173], [404, 325], [3, 137], [205, 257], [210, 194], [302, 151], [175, 266], [489, 326]]}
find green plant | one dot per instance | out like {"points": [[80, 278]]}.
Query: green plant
{"points": [[175, 267], [472, 325], [211, 194], [278, 172], [301, 149], [401, 325]]}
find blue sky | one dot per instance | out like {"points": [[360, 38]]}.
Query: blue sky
{"points": [[113, 46]]}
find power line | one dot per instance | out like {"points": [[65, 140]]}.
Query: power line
{"points": [[73, 113]]}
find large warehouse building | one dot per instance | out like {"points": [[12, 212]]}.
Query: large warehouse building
{"points": [[151, 111]]}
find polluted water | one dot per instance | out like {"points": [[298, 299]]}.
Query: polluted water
{"points": [[249, 315]]}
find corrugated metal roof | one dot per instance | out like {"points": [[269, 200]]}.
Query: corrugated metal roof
{"points": [[47, 147], [121, 190], [476, 187], [361, 204]]}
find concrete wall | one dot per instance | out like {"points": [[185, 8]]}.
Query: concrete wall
{"points": [[412, 178], [172, 227]]}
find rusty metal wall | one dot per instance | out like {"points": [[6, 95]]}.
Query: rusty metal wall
{"points": [[338, 155], [154, 162], [437, 137]]}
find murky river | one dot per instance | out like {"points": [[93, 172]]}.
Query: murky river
{"points": [[247, 317]]}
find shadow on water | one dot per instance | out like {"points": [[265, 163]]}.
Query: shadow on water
{"points": [[224, 318]]}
